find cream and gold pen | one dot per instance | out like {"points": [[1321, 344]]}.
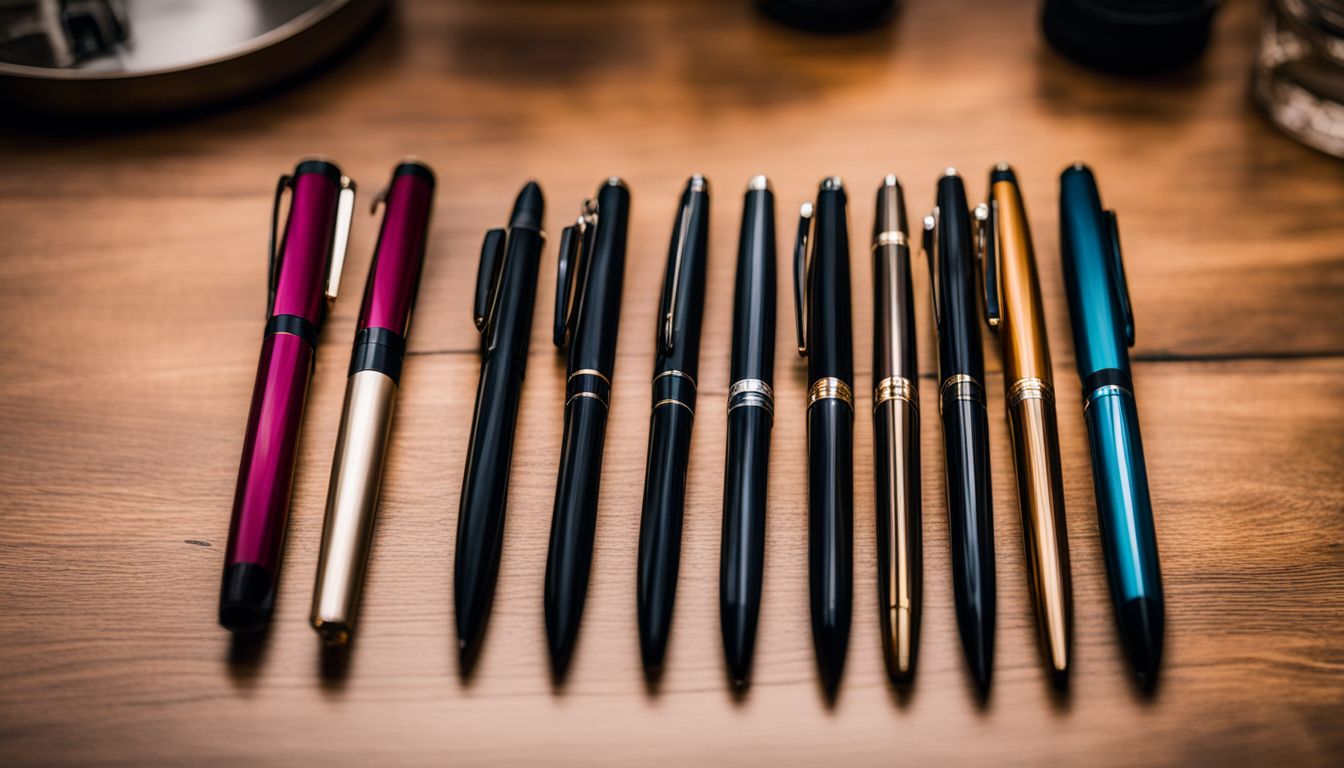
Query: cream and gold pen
{"points": [[896, 435], [1013, 308], [371, 391]]}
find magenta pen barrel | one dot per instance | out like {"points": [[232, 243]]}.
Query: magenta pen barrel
{"points": [[270, 444]]}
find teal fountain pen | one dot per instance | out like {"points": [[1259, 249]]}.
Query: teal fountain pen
{"points": [[1103, 331]]}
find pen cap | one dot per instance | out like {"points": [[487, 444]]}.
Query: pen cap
{"points": [[829, 322], [303, 259], [1092, 284], [394, 274], [958, 296]]}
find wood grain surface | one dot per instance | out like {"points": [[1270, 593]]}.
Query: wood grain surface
{"points": [[132, 291]]}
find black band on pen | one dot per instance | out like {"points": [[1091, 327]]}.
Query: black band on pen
{"points": [[378, 349], [293, 325], [1107, 377], [319, 166], [416, 169]]}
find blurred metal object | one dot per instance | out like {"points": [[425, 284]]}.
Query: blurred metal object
{"points": [[1299, 71], [829, 15], [133, 58]]}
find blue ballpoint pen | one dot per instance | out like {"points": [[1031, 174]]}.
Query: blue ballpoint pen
{"points": [[1103, 330]]}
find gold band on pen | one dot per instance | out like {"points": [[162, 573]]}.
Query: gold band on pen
{"points": [[672, 401], [896, 388], [963, 387], [593, 395], [1030, 389], [678, 374], [590, 372], [830, 388], [890, 237]]}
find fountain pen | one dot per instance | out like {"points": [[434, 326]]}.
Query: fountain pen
{"points": [[1103, 330], [304, 273], [751, 415], [900, 569], [676, 364], [506, 294], [961, 401], [589, 274], [370, 394], [1014, 310], [825, 338]]}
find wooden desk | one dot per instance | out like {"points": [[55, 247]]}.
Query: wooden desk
{"points": [[131, 294]]}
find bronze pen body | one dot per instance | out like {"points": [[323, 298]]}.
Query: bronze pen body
{"points": [[1014, 308], [896, 436]]}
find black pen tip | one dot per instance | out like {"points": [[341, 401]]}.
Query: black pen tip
{"points": [[246, 598], [831, 642], [1142, 622], [528, 209], [1002, 172]]}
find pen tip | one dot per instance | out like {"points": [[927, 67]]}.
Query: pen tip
{"points": [[698, 183], [832, 183], [1142, 625], [758, 183], [529, 208], [950, 171]]}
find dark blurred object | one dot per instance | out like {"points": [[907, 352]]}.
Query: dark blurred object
{"points": [[1299, 72], [59, 33], [1129, 36], [829, 15], [142, 58]]}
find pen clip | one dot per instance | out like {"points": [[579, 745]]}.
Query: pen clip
{"points": [[801, 266], [340, 240], [667, 310], [487, 276], [575, 240], [987, 252], [272, 253], [931, 253], [1118, 277]]}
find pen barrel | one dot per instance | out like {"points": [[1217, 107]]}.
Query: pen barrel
{"points": [[1040, 490], [830, 451], [900, 568], [661, 523], [305, 251], [485, 492], [394, 273], [265, 477], [742, 548], [352, 501], [1124, 509], [970, 516], [574, 517]]}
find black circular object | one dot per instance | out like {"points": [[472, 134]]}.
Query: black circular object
{"points": [[1129, 36]]}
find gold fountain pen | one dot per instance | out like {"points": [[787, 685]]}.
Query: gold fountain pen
{"points": [[1014, 310], [371, 391]]}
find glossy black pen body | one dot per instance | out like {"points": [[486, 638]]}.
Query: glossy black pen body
{"points": [[825, 338], [676, 366], [961, 375], [751, 413], [590, 272], [506, 292], [896, 436]]}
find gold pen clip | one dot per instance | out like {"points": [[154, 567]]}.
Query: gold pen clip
{"points": [[340, 239], [672, 281], [987, 253], [801, 266], [575, 243], [1118, 277], [930, 245]]}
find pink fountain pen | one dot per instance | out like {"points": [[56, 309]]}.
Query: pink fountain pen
{"points": [[304, 273], [370, 392]]}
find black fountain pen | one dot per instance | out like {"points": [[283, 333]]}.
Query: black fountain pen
{"points": [[900, 569], [587, 309], [825, 338], [751, 415], [677, 363], [506, 291], [961, 400]]}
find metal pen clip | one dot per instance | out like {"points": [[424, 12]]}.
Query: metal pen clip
{"points": [[340, 240], [1118, 277], [671, 283], [272, 248], [930, 246], [801, 266], [487, 276], [575, 243], [987, 253]]}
